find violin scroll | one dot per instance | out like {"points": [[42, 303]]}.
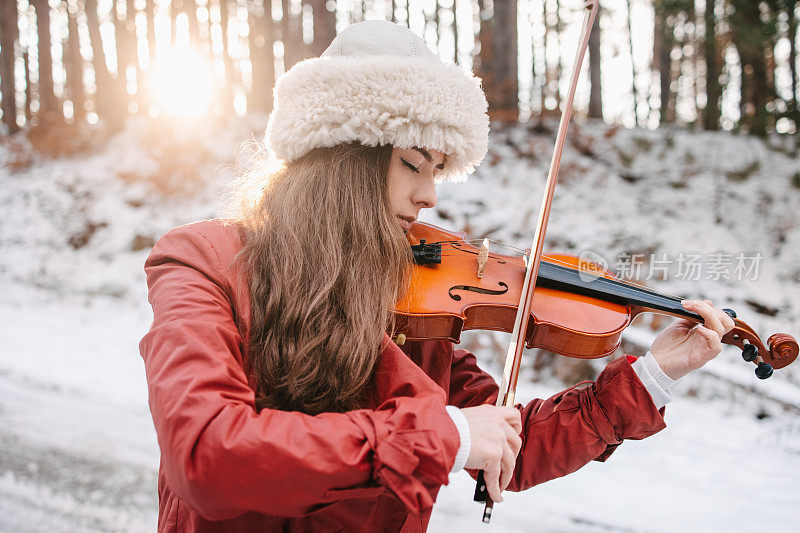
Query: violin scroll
{"points": [[783, 349], [780, 351]]}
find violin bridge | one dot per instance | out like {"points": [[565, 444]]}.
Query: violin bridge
{"points": [[483, 257]]}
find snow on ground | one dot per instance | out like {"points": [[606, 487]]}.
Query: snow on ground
{"points": [[712, 469], [78, 448], [78, 451]]}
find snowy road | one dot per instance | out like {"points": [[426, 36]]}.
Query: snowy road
{"points": [[78, 447], [79, 452]]}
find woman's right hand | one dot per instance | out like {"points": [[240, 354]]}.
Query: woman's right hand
{"points": [[494, 432]]}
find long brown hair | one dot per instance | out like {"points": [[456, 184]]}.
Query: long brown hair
{"points": [[325, 261]]}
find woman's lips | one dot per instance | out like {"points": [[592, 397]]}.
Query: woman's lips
{"points": [[405, 224]]}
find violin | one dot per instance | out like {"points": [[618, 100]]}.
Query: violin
{"points": [[579, 309], [550, 301]]}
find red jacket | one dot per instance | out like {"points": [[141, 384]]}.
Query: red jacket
{"points": [[225, 467]]}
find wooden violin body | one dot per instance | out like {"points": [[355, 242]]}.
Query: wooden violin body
{"points": [[463, 301], [576, 311]]}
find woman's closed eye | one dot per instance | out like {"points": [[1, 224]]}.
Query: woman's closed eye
{"points": [[409, 165]]}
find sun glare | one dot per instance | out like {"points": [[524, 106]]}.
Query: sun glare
{"points": [[183, 83]]}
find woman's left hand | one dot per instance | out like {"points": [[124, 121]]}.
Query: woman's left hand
{"points": [[685, 345]]}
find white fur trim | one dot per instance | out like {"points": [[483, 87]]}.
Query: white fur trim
{"points": [[382, 99]]}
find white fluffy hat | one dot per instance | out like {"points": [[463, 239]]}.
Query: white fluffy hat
{"points": [[378, 83]]}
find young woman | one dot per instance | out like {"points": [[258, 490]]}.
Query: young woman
{"points": [[279, 401]]}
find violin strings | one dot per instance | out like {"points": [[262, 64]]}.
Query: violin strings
{"points": [[520, 251], [640, 286]]}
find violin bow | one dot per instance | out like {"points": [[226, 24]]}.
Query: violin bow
{"points": [[508, 385]]}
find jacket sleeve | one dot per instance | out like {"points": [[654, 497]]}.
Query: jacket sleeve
{"points": [[563, 433], [221, 456]]}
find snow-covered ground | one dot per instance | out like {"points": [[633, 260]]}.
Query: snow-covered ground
{"points": [[77, 447]]}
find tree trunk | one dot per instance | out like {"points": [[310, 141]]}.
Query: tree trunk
{"points": [[143, 87], [595, 74], [190, 8], [27, 66], [498, 61], [536, 93], [73, 64], [262, 59], [256, 98], [559, 65], [286, 35], [9, 33], [288, 52], [127, 66], [226, 94], [455, 32], [507, 97], [662, 47], [711, 113], [132, 54], [750, 41], [437, 7], [552, 26], [634, 92], [48, 106], [106, 102], [548, 74], [482, 63], [690, 37], [761, 95], [150, 15], [792, 7], [324, 26], [291, 36]]}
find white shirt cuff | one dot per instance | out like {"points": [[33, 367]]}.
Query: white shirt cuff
{"points": [[654, 379], [463, 433]]}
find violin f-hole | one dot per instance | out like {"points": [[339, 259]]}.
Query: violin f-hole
{"points": [[479, 290]]}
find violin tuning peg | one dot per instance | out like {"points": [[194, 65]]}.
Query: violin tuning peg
{"points": [[763, 370], [400, 339], [750, 352], [731, 313]]}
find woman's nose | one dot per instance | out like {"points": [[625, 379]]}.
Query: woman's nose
{"points": [[425, 195]]}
